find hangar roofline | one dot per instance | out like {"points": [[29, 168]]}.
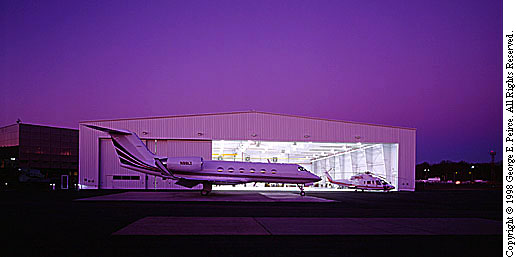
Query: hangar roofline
{"points": [[38, 125], [243, 112]]}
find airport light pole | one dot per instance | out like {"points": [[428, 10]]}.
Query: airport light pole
{"points": [[493, 154]]}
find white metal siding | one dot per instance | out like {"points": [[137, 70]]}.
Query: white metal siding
{"points": [[109, 167]]}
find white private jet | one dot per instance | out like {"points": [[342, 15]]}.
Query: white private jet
{"points": [[192, 171], [363, 181]]}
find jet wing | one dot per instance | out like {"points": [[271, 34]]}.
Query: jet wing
{"points": [[191, 181]]}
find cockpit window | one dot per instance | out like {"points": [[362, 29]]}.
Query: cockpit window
{"points": [[300, 168]]}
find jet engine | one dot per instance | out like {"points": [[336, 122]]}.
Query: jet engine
{"points": [[184, 163]]}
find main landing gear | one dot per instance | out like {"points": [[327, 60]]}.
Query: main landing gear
{"points": [[206, 189], [302, 193]]}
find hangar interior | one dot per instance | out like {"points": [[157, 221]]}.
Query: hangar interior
{"points": [[342, 160]]}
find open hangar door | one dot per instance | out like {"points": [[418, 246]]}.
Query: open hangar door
{"points": [[379, 159], [343, 160], [113, 176]]}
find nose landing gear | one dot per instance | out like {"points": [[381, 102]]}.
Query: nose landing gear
{"points": [[302, 193], [206, 189]]}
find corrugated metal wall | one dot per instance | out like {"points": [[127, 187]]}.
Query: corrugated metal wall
{"points": [[110, 168], [246, 126]]}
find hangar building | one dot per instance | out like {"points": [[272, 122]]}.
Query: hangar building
{"points": [[345, 148]]}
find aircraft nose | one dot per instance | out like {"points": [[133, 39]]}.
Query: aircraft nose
{"points": [[316, 178]]}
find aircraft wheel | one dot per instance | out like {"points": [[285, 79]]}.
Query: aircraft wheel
{"points": [[204, 192], [302, 193]]}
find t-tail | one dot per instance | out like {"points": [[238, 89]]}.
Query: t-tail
{"points": [[134, 154], [329, 176]]}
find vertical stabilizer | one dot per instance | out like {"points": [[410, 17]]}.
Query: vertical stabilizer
{"points": [[132, 152], [329, 176]]}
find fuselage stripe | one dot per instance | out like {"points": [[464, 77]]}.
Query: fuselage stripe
{"points": [[128, 154], [122, 155]]}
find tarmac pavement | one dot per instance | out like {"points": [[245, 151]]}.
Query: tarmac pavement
{"points": [[443, 223]]}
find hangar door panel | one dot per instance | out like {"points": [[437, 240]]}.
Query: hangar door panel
{"points": [[112, 175]]}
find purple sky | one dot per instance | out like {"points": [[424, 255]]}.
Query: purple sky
{"points": [[432, 65]]}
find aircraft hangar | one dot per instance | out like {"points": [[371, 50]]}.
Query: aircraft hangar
{"points": [[341, 147]]}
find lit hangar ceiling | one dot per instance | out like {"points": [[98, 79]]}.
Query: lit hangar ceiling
{"points": [[281, 152]]}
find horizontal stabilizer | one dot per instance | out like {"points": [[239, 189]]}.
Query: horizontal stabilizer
{"points": [[161, 166], [110, 131]]}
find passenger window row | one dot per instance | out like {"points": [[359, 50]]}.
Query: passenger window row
{"points": [[242, 170]]}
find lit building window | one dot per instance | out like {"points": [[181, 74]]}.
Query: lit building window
{"points": [[220, 169], [241, 170], [231, 169], [251, 170], [273, 171]]}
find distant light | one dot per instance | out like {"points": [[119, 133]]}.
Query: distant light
{"points": [[13, 159], [457, 182], [473, 166]]}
